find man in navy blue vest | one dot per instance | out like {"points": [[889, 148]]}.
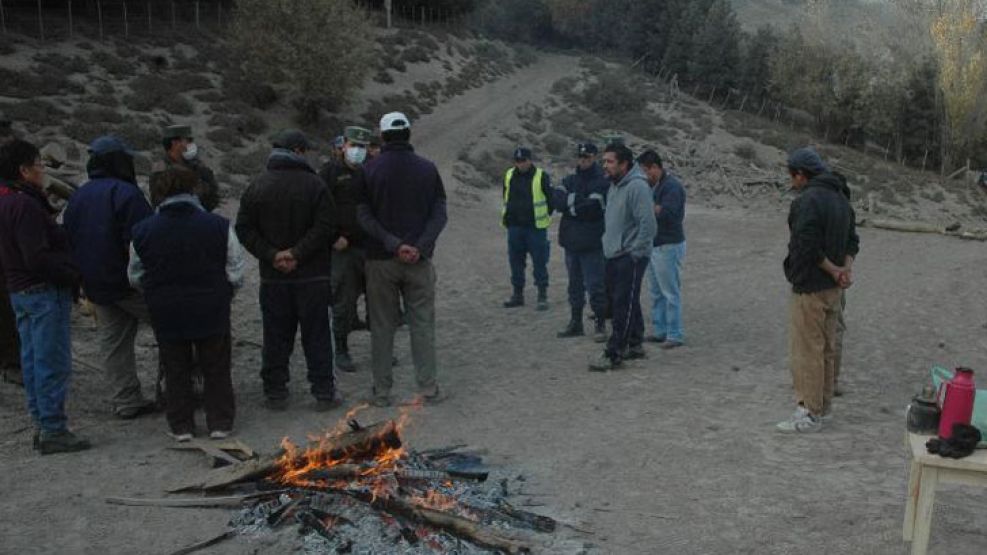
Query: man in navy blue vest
{"points": [[188, 262], [286, 221], [582, 200]]}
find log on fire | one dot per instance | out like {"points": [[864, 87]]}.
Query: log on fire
{"points": [[365, 441], [469, 530]]}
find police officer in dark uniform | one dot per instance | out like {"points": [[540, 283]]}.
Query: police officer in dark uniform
{"points": [[348, 255], [181, 151], [581, 200]]}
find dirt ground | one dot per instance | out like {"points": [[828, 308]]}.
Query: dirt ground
{"points": [[674, 454]]}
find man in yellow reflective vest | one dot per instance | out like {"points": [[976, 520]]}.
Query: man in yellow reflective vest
{"points": [[526, 214]]}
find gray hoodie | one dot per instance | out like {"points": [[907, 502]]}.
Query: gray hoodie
{"points": [[630, 217]]}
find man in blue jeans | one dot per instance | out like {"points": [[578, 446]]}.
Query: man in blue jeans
{"points": [[527, 214], [668, 252], [42, 279]]}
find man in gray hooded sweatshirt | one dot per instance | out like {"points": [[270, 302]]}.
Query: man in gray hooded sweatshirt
{"points": [[630, 231]]}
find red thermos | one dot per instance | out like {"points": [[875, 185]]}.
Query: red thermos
{"points": [[955, 400]]}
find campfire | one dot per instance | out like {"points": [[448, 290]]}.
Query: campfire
{"points": [[360, 489]]}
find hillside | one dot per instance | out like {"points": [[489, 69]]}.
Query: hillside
{"points": [[676, 453]]}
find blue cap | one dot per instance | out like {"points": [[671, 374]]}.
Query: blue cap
{"points": [[586, 149], [522, 153], [107, 144], [808, 160]]}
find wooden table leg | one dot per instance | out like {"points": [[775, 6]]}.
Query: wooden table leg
{"points": [[914, 476], [923, 510]]}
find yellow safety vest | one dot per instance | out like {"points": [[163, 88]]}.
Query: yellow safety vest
{"points": [[539, 202]]}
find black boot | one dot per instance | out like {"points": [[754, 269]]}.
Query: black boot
{"points": [[542, 299], [516, 300], [575, 326]]}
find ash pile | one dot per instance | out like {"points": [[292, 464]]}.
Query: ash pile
{"points": [[359, 489]]}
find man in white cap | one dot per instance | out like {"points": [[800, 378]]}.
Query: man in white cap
{"points": [[402, 207]]}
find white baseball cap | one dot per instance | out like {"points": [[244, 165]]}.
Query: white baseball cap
{"points": [[394, 121]]}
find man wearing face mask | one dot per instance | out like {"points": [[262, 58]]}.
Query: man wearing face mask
{"points": [[180, 150], [348, 257]]}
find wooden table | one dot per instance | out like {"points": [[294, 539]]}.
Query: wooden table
{"points": [[927, 472]]}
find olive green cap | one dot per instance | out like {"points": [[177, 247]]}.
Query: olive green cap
{"points": [[177, 132], [358, 135]]}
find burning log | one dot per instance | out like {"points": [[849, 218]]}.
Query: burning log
{"points": [[459, 526], [363, 442], [442, 475]]}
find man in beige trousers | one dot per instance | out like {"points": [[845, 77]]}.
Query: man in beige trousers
{"points": [[820, 256]]}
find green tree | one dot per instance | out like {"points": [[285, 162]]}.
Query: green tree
{"points": [[715, 57], [755, 73], [323, 47]]}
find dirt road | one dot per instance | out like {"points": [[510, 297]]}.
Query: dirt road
{"points": [[675, 454]]}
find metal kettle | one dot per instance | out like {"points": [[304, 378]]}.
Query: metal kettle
{"points": [[922, 416]]}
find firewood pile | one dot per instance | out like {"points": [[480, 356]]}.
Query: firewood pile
{"points": [[360, 489]]}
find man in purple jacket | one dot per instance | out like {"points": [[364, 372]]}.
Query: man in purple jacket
{"points": [[99, 219], [42, 280], [402, 207]]}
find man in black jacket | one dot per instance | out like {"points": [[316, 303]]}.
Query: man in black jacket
{"points": [[818, 267], [402, 207], [348, 256], [582, 201], [285, 220]]}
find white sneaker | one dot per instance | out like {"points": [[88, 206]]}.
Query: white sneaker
{"points": [[180, 438], [801, 422], [219, 434]]}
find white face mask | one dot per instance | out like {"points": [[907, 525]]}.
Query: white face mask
{"points": [[356, 155], [191, 151]]}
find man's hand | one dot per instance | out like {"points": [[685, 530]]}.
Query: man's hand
{"points": [[657, 210], [285, 262], [845, 279], [408, 254], [341, 244]]}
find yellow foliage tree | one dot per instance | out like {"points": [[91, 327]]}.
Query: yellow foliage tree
{"points": [[961, 50]]}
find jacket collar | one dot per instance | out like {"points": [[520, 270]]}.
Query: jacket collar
{"points": [[184, 198], [15, 187], [400, 146], [634, 173], [284, 159]]}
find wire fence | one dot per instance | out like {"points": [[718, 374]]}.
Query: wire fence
{"points": [[60, 19]]}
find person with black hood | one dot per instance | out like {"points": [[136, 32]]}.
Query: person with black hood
{"points": [[99, 218], [286, 221], [823, 234], [582, 201], [43, 281]]}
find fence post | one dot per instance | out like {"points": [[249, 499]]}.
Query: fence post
{"points": [[41, 22], [149, 24], [423, 16], [196, 14], [219, 13], [126, 26], [99, 16], [174, 16]]}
